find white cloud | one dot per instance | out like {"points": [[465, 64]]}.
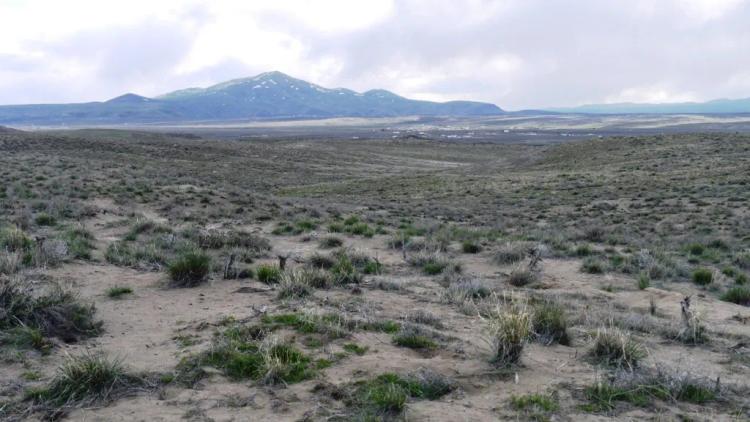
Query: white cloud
{"points": [[650, 94], [516, 53]]}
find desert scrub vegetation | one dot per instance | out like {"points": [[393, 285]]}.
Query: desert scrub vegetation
{"points": [[550, 324], [642, 388], [285, 228], [737, 294], [510, 253], [117, 292], [350, 265], [536, 406], [615, 347], [299, 283], [432, 263], [241, 353], [414, 337], [86, 380], [703, 276], [385, 396], [268, 273], [80, 242], [53, 312], [471, 247], [189, 269], [330, 242], [124, 254], [509, 326]]}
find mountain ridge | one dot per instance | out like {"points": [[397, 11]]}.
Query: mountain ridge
{"points": [[267, 95]]}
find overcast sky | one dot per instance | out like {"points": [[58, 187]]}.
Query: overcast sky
{"points": [[515, 53]]}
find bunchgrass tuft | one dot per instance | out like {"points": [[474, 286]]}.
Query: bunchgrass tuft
{"points": [[509, 329], [703, 276], [54, 312], [244, 354], [615, 347], [550, 325], [269, 274], [510, 253], [117, 292], [737, 294], [85, 380], [189, 269]]}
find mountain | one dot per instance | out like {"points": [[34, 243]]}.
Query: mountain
{"points": [[709, 107], [268, 95]]}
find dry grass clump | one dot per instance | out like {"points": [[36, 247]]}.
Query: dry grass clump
{"points": [[642, 388], [509, 324], [466, 291], [510, 253], [615, 347], [421, 316], [54, 312], [522, 276], [298, 283], [432, 263]]}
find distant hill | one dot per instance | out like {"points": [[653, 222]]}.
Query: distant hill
{"points": [[710, 107], [268, 95]]}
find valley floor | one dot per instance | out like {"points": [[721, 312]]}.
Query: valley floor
{"points": [[161, 277]]}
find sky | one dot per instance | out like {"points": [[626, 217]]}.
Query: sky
{"points": [[517, 54]]}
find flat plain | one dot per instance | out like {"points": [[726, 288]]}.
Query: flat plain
{"points": [[170, 275]]}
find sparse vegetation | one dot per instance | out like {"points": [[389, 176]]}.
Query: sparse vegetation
{"points": [[85, 380], [615, 347], [269, 274], [509, 326], [117, 292], [189, 269]]}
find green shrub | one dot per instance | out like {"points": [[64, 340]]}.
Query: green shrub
{"points": [[295, 284], [355, 348], [696, 249], [117, 292], [385, 396], [54, 312], [549, 323], [510, 253], [644, 281], [738, 294], [583, 250], [80, 242], [593, 266], [44, 219], [15, 240], [703, 276], [470, 247], [269, 274], [615, 347], [86, 379], [521, 276], [414, 339], [330, 242], [242, 354], [189, 269], [25, 337], [535, 403]]}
